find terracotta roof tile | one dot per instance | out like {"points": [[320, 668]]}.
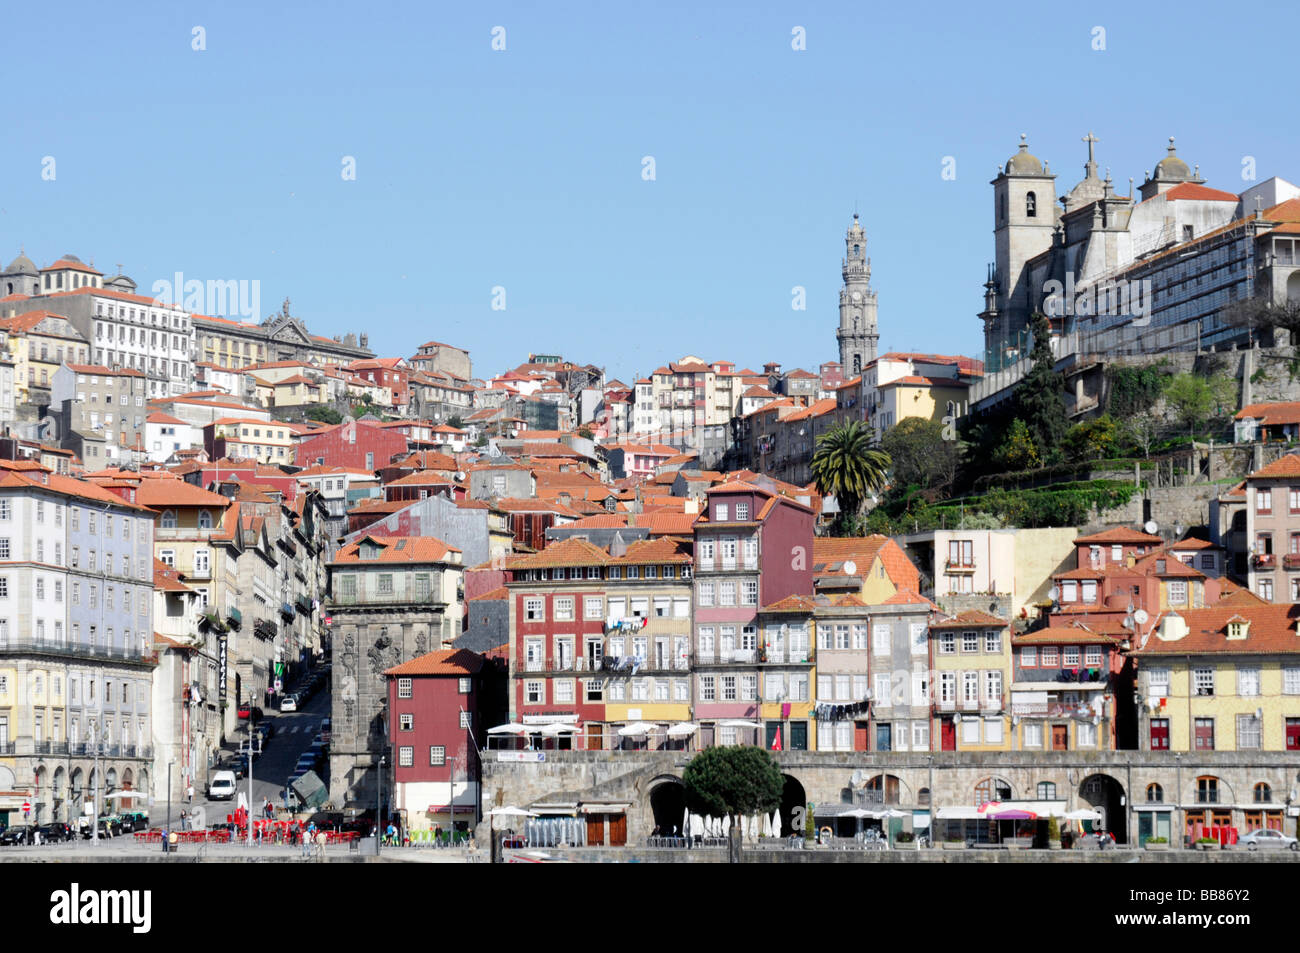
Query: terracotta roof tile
{"points": [[444, 662]]}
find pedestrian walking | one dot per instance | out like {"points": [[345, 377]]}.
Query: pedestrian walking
{"points": [[189, 793]]}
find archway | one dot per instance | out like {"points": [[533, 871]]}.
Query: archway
{"points": [[110, 781], [59, 794], [127, 779], [41, 803], [992, 789], [1293, 288], [893, 789], [1104, 792], [668, 806], [794, 807]]}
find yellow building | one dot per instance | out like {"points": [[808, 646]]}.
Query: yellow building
{"points": [[1221, 679], [929, 398], [39, 343], [971, 654], [873, 568]]}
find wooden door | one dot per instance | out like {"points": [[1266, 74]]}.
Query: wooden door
{"points": [[861, 739], [595, 829], [1060, 737], [1159, 734], [617, 830], [948, 735]]}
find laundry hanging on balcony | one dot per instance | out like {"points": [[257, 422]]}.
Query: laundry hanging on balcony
{"points": [[615, 624]]}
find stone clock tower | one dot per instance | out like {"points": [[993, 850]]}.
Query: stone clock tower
{"points": [[857, 335]]}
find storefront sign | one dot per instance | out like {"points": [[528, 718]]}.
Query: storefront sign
{"points": [[221, 667]]}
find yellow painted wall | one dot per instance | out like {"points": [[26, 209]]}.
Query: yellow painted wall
{"points": [[1225, 704]]}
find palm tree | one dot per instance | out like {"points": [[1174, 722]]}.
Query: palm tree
{"points": [[849, 464]]}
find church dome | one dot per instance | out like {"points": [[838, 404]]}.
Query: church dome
{"points": [[1172, 167], [1024, 162], [22, 265]]}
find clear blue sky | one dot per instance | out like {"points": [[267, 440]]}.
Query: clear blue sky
{"points": [[523, 168]]}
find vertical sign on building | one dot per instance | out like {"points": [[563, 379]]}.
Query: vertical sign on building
{"points": [[221, 668]]}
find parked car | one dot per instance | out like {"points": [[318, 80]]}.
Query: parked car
{"points": [[16, 836], [56, 832], [1268, 840], [135, 821]]}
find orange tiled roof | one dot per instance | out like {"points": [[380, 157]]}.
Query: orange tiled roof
{"points": [[1272, 414], [1285, 466], [969, 618], [1119, 534], [1190, 190], [443, 662], [398, 549], [1272, 631]]}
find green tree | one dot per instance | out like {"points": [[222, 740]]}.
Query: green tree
{"points": [[1092, 440], [1196, 400], [1038, 397], [585, 432], [326, 414], [735, 781], [920, 455], [1019, 451], [455, 421], [848, 464]]}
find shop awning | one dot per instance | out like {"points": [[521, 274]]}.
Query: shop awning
{"points": [[604, 807], [449, 809], [564, 809]]}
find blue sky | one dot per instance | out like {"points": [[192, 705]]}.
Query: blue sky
{"points": [[522, 168]]}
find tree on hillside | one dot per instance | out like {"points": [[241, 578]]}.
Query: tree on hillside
{"points": [[1091, 440], [1039, 398], [323, 413], [1197, 400], [849, 465], [1019, 451], [919, 454], [735, 781]]}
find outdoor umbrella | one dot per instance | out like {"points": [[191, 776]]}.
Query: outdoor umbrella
{"points": [[886, 814], [126, 796]]}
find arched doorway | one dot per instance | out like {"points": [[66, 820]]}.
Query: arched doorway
{"points": [[1104, 792], [884, 789], [992, 789], [41, 803], [59, 795], [110, 781], [794, 807], [127, 779], [76, 792], [668, 806]]}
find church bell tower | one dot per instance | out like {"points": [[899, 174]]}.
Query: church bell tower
{"points": [[857, 335]]}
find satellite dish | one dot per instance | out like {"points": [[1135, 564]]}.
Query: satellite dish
{"points": [[460, 476], [1140, 617], [850, 568], [1152, 527]]}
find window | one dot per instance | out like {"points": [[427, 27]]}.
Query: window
{"points": [[535, 692], [534, 609], [720, 512], [1291, 681], [406, 721], [1204, 732], [1264, 502], [880, 633], [593, 607], [564, 609], [1033, 735], [1070, 656], [1248, 731], [562, 690], [749, 592], [841, 636], [706, 594], [728, 688], [1203, 681], [405, 756], [742, 512], [1155, 794], [1207, 790], [403, 688], [1263, 793], [992, 642], [1178, 592], [707, 690], [948, 643], [1050, 657], [1046, 791], [970, 642], [1086, 735], [1248, 681], [1092, 656]]}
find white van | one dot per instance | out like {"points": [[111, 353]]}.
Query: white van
{"points": [[221, 786]]}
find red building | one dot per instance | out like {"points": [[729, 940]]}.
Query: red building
{"points": [[436, 724], [390, 372], [356, 445]]}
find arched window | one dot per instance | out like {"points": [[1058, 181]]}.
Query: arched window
{"points": [[1046, 791], [1207, 789], [205, 519], [1031, 205], [992, 789], [1155, 794], [1263, 793], [856, 248], [169, 519]]}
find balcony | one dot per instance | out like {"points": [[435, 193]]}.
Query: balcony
{"points": [[384, 598], [304, 605], [959, 566], [74, 650], [1291, 561], [286, 611], [211, 618], [1052, 709], [265, 629], [770, 656], [234, 618], [726, 657], [1263, 560]]}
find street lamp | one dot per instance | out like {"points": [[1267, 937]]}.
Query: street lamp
{"points": [[167, 831], [92, 736]]}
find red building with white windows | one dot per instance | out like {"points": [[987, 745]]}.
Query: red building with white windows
{"points": [[356, 445], [439, 709]]}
